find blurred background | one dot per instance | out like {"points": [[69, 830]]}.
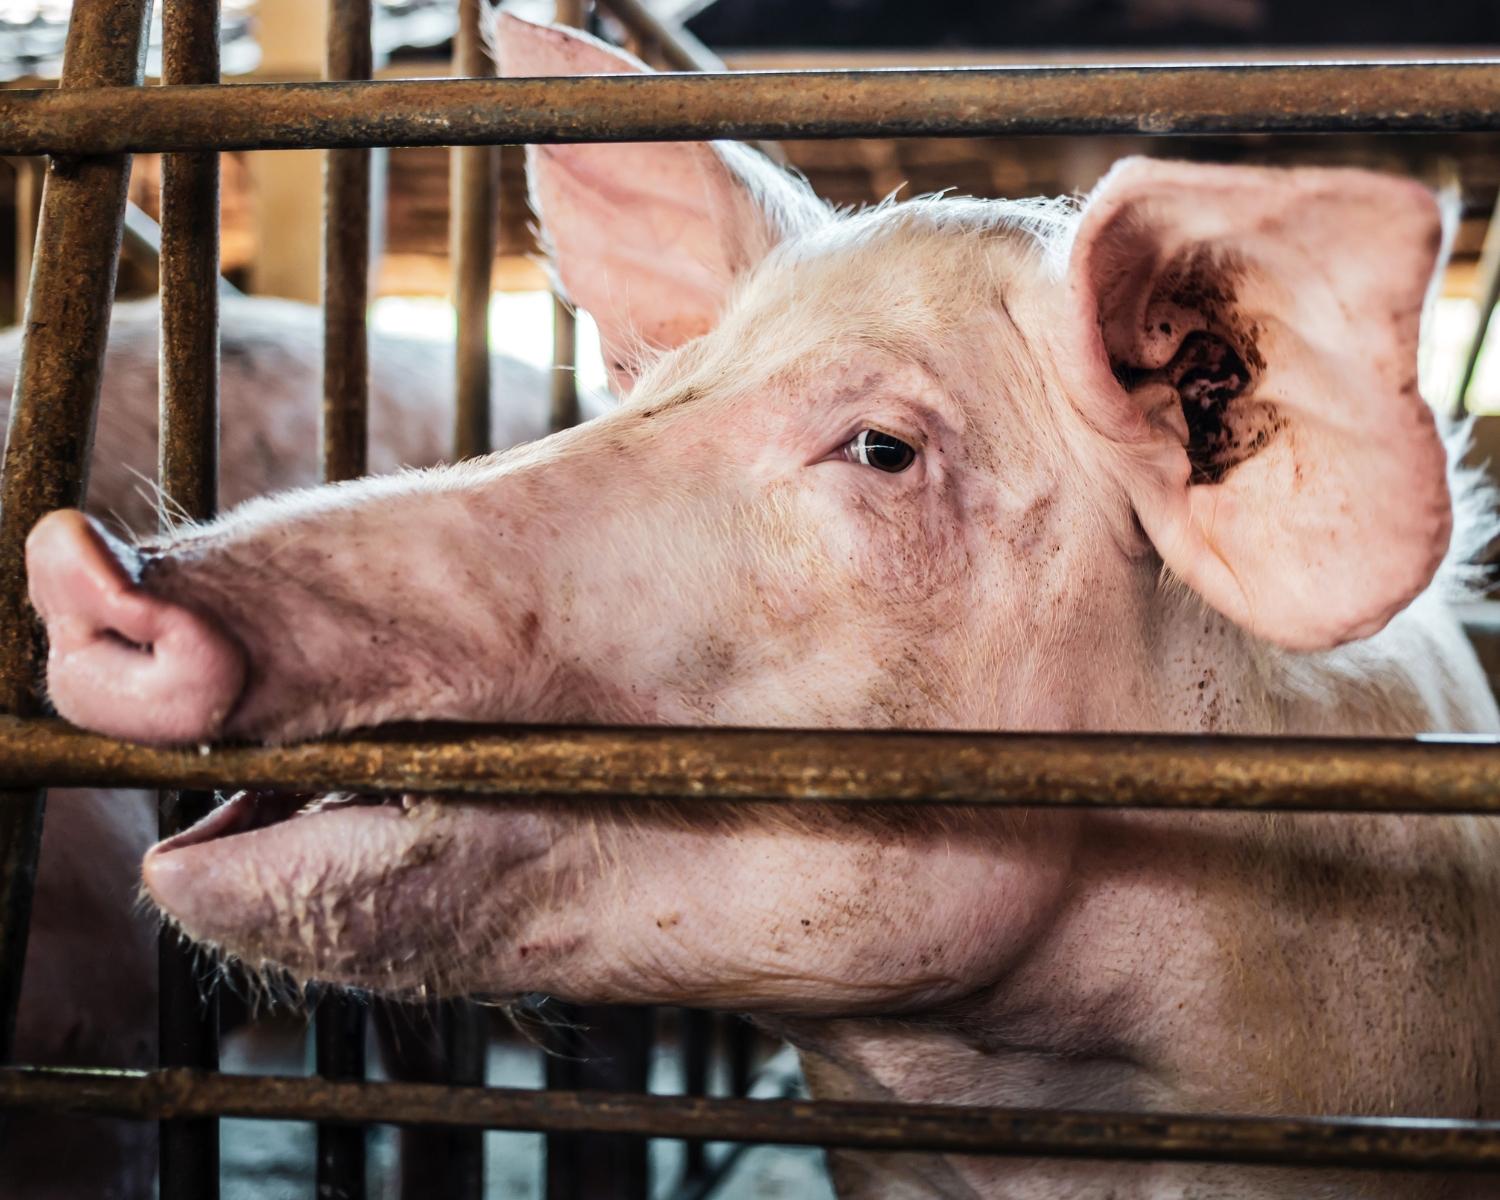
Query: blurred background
{"points": [[272, 200], [272, 215]]}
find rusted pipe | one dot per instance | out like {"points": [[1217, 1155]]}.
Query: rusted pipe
{"points": [[678, 49], [339, 1032], [473, 221], [346, 261], [714, 765], [1376, 1143], [564, 379], [52, 414], [1436, 97], [188, 472], [452, 1165], [188, 457]]}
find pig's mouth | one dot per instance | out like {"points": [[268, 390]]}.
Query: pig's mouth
{"points": [[247, 811], [390, 892]]}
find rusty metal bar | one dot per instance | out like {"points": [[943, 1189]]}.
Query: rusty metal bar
{"points": [[1488, 295], [475, 197], [346, 262], [598, 1049], [696, 1035], [1456, 775], [52, 415], [453, 1165], [339, 1030], [678, 49], [188, 471], [1432, 97], [1375, 1143], [339, 1043], [188, 457], [564, 378]]}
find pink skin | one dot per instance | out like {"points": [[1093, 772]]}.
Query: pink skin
{"points": [[709, 553]]}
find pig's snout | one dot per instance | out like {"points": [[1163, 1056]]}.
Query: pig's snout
{"points": [[122, 661]]}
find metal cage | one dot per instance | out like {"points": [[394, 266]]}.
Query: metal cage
{"points": [[101, 113]]}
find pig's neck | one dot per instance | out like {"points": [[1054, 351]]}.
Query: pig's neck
{"points": [[1202, 674]]}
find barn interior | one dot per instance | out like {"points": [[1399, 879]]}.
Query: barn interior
{"points": [[272, 228]]}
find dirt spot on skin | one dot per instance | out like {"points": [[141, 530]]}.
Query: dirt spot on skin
{"points": [[1214, 369]]}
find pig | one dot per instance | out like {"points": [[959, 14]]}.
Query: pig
{"points": [[1156, 461], [90, 974]]}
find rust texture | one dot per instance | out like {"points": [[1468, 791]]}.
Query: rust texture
{"points": [[346, 262], [189, 442], [1384, 1143], [51, 430], [188, 472], [877, 767], [475, 197], [1259, 98], [339, 1032]]}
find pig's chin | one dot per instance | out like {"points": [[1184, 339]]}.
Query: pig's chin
{"points": [[350, 889]]}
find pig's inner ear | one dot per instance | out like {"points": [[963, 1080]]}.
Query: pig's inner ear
{"points": [[1247, 341], [648, 239]]}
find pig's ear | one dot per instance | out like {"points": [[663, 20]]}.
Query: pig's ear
{"points": [[647, 238], [1248, 337]]}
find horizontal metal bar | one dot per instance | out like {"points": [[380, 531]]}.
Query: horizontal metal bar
{"points": [[1054, 770], [931, 1128], [1287, 98]]}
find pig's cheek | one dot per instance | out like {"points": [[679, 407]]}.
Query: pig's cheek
{"points": [[372, 897]]}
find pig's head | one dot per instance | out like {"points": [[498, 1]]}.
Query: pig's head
{"points": [[922, 466]]}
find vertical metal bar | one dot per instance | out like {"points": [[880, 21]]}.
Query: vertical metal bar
{"points": [[741, 1037], [643, 47], [340, 1023], [669, 41], [474, 171], [697, 1028], [564, 324], [52, 415], [465, 1042], [346, 261], [1487, 280], [474, 207], [188, 470], [609, 1050], [435, 1043]]}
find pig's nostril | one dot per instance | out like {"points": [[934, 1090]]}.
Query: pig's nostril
{"points": [[119, 639], [121, 660]]}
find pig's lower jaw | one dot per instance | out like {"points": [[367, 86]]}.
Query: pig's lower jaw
{"points": [[388, 894]]}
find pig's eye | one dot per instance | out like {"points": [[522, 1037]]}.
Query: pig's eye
{"points": [[880, 450]]}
